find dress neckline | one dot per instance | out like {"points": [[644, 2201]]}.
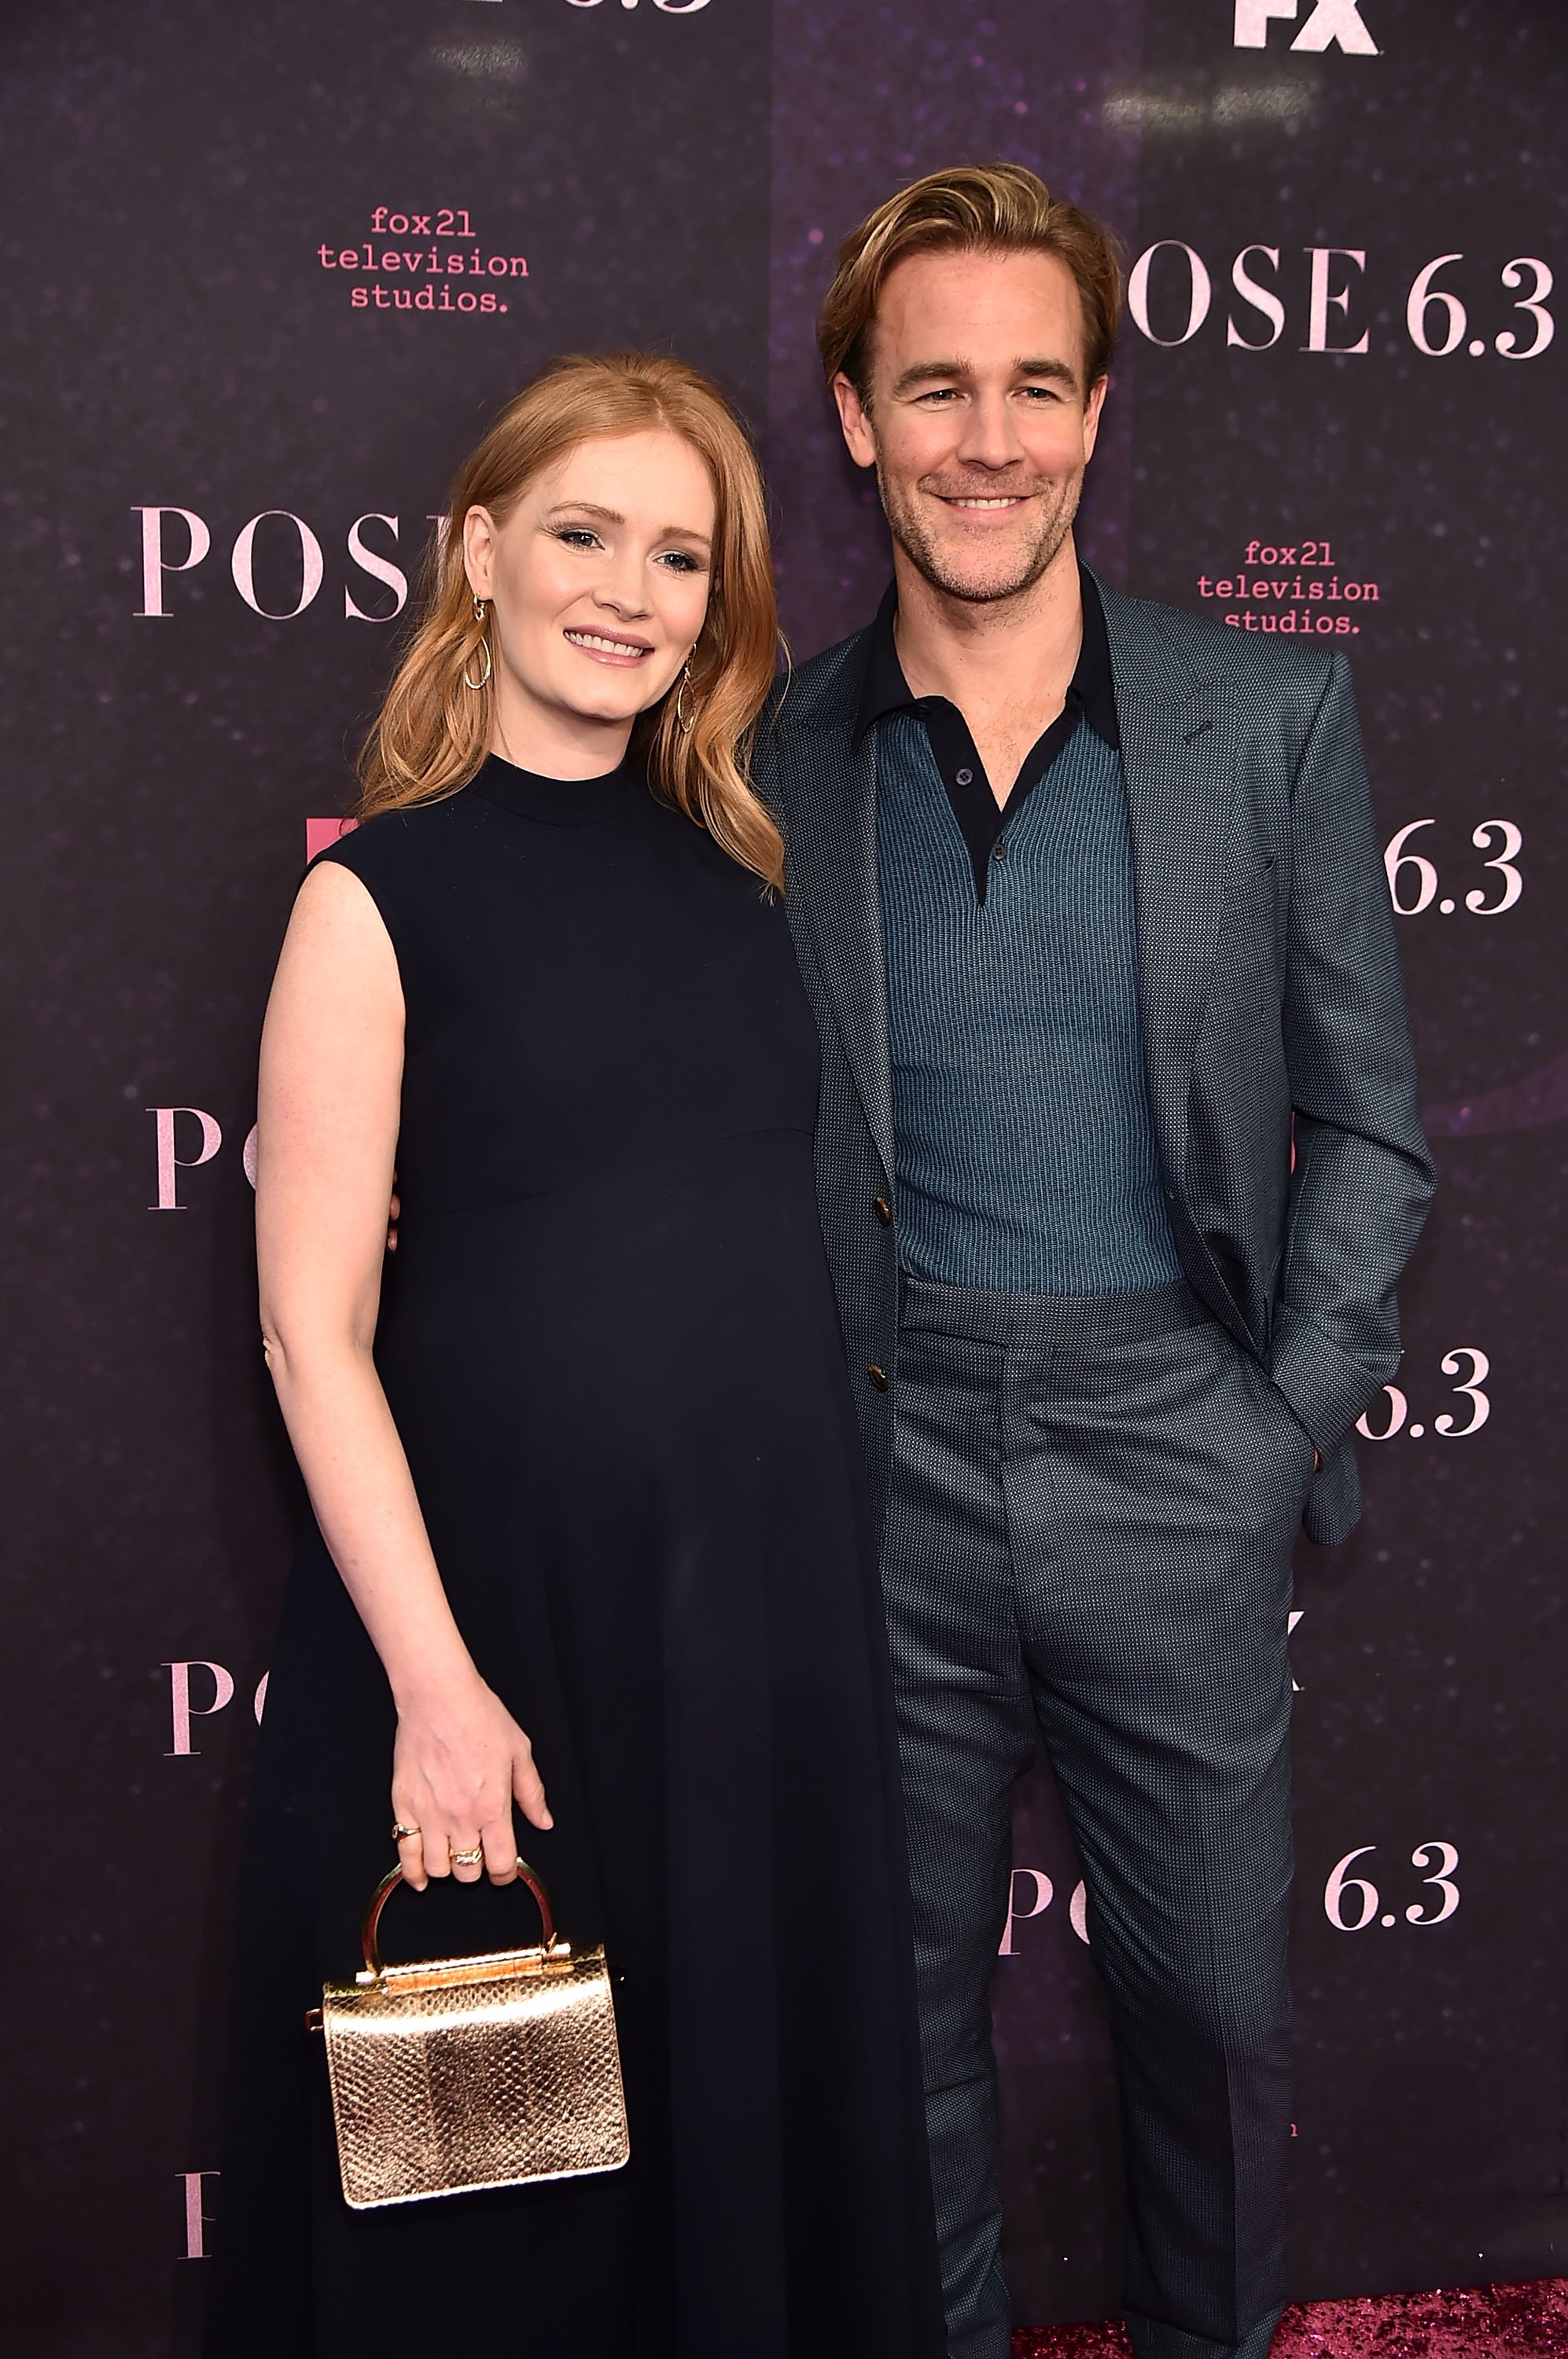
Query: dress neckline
{"points": [[558, 802]]}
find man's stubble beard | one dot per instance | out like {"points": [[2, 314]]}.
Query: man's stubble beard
{"points": [[932, 561]]}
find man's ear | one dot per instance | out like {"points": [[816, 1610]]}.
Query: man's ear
{"points": [[855, 418], [1091, 409]]}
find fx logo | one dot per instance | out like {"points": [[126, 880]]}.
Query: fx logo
{"points": [[1332, 22]]}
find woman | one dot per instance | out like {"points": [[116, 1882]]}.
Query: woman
{"points": [[587, 1534]]}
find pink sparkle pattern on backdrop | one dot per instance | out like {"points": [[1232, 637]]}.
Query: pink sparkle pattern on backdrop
{"points": [[1473, 2322]]}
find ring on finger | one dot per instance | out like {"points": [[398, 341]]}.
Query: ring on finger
{"points": [[474, 1858], [401, 1833]]}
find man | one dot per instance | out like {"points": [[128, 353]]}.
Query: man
{"points": [[1119, 1157]]}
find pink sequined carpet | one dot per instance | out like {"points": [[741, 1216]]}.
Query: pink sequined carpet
{"points": [[1516, 2321]]}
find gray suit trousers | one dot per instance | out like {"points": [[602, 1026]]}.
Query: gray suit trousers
{"points": [[1088, 1541]]}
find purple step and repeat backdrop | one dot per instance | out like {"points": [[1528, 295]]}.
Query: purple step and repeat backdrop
{"points": [[269, 269]]}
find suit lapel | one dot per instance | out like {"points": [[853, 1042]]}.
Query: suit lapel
{"points": [[1178, 739], [830, 851]]}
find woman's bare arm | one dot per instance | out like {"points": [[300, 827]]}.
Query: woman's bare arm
{"points": [[331, 1063]]}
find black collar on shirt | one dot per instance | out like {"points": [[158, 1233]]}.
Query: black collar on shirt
{"points": [[982, 820]]}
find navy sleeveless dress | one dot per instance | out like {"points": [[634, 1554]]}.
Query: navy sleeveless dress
{"points": [[611, 1347]]}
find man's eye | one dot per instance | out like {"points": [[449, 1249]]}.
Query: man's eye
{"points": [[1042, 393]]}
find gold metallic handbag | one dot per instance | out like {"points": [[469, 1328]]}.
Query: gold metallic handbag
{"points": [[468, 2073]]}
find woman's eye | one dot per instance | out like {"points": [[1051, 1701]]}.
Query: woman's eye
{"points": [[678, 562], [577, 536]]}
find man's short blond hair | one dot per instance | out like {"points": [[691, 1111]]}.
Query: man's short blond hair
{"points": [[973, 208]]}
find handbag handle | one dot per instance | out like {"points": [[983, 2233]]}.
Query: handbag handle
{"points": [[370, 1932]]}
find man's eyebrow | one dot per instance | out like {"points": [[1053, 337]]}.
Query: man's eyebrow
{"points": [[929, 373], [944, 372], [1060, 372]]}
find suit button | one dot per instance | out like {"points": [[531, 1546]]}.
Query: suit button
{"points": [[878, 1377], [883, 1210]]}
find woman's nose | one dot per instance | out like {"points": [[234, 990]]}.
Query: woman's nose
{"points": [[627, 589]]}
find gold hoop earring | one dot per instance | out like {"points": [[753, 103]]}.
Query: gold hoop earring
{"points": [[679, 694], [479, 614]]}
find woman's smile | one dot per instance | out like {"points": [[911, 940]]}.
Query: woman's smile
{"points": [[609, 646]]}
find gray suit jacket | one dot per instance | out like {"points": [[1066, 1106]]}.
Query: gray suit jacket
{"points": [[1270, 994]]}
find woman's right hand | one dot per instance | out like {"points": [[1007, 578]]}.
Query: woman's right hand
{"points": [[459, 1762]]}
